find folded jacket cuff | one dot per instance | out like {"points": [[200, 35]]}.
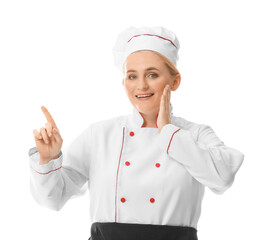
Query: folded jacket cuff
{"points": [[43, 169], [166, 135]]}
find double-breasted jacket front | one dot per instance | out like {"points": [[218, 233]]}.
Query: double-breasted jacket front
{"points": [[135, 174]]}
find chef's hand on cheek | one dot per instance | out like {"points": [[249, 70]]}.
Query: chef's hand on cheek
{"points": [[164, 111]]}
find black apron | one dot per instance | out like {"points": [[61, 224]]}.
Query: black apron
{"points": [[130, 231]]}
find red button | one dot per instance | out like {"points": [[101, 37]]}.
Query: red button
{"points": [[123, 199], [127, 163], [157, 164], [152, 200], [131, 133]]}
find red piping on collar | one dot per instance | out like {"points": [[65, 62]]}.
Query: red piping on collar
{"points": [[155, 36]]}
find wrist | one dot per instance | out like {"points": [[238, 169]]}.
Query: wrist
{"points": [[44, 161]]}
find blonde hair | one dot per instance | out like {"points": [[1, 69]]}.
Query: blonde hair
{"points": [[171, 67]]}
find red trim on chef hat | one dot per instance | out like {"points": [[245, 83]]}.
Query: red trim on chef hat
{"points": [[156, 38]]}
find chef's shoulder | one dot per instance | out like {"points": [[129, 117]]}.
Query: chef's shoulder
{"points": [[107, 124], [201, 132]]}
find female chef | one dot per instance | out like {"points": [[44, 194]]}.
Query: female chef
{"points": [[146, 172]]}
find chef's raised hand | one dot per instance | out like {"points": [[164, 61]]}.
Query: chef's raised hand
{"points": [[164, 111], [48, 141]]}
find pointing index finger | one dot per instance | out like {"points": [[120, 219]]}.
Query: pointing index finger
{"points": [[48, 117]]}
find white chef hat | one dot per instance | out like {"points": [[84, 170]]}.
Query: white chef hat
{"points": [[157, 38]]}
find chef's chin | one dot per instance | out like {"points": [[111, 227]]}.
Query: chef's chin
{"points": [[146, 108]]}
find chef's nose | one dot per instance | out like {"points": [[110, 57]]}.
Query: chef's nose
{"points": [[142, 83]]}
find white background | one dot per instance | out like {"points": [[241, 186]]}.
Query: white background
{"points": [[59, 54]]}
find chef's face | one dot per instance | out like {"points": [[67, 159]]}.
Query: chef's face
{"points": [[145, 73]]}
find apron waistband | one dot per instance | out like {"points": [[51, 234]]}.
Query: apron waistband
{"points": [[133, 231]]}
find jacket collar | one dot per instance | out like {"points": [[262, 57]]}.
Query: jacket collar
{"points": [[138, 120]]}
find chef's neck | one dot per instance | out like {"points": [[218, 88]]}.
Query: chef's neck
{"points": [[149, 119]]}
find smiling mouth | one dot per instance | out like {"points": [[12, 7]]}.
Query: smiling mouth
{"points": [[144, 95]]}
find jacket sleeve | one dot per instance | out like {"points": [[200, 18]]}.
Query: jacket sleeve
{"points": [[205, 156], [54, 183]]}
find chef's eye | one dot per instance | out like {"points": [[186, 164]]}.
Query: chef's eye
{"points": [[130, 77], [154, 75]]}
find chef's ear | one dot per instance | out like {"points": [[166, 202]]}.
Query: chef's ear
{"points": [[176, 82], [123, 81]]}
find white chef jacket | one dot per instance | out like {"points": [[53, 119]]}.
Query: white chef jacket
{"points": [[135, 174]]}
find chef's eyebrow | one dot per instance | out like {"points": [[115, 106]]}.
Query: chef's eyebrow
{"points": [[147, 69]]}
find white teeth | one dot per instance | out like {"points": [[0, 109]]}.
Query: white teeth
{"points": [[144, 95]]}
